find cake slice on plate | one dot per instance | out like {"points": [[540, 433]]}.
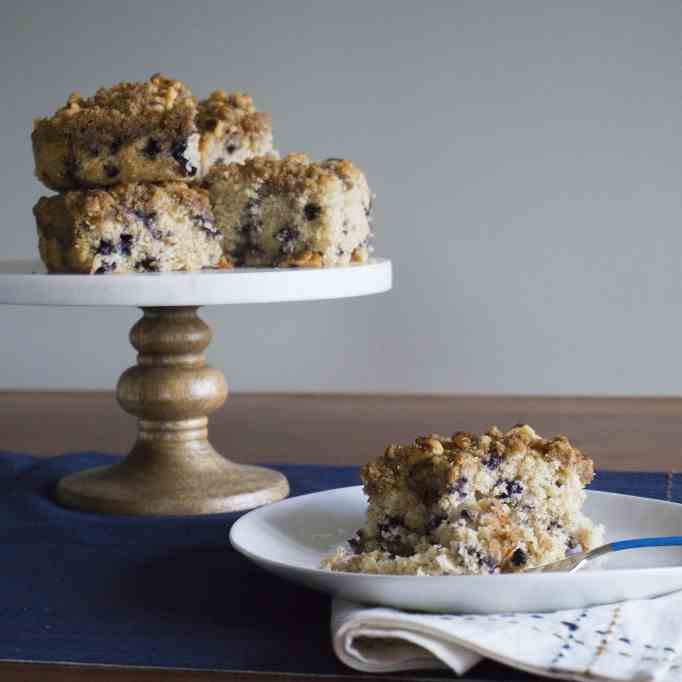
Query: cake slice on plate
{"points": [[472, 504]]}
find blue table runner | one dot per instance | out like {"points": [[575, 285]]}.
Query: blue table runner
{"points": [[170, 592]]}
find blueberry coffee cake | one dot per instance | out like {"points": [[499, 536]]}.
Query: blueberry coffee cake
{"points": [[232, 130], [128, 228], [142, 132], [292, 211], [472, 504], [145, 132]]}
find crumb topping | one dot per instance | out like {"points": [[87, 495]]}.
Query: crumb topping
{"points": [[123, 111], [294, 173], [232, 113], [438, 458], [160, 93]]}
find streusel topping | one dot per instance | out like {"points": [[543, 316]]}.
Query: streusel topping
{"points": [[123, 111], [234, 112], [294, 173], [434, 453]]}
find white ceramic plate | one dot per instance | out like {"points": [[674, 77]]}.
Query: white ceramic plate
{"points": [[290, 537]]}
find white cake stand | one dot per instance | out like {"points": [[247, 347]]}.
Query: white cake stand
{"points": [[172, 468]]}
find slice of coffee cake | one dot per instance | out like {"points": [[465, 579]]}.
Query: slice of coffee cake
{"points": [[128, 228], [131, 132], [472, 504], [232, 130], [146, 132], [292, 212]]}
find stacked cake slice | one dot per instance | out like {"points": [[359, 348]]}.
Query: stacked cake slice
{"points": [[134, 227], [151, 180], [127, 162]]}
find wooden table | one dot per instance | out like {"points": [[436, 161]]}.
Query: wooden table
{"points": [[619, 433]]}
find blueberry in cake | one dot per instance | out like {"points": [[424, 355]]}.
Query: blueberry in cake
{"points": [[145, 132], [128, 228], [472, 504], [292, 211]]}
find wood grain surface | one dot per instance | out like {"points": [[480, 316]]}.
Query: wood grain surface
{"points": [[619, 433]]}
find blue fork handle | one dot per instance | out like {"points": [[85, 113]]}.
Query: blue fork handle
{"points": [[647, 542]]}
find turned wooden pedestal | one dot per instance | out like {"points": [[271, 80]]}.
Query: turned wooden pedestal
{"points": [[172, 468]]}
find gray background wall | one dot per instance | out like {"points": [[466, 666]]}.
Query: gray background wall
{"points": [[526, 158]]}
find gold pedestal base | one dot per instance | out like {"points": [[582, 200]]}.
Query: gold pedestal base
{"points": [[172, 469]]}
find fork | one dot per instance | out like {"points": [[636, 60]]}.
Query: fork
{"points": [[575, 562]]}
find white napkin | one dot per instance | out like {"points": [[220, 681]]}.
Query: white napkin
{"points": [[634, 640]]}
